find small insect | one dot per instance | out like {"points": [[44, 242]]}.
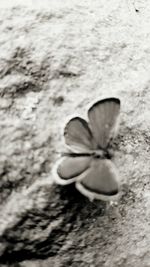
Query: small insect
{"points": [[88, 160]]}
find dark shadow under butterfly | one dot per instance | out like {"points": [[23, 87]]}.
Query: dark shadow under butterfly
{"points": [[87, 162]]}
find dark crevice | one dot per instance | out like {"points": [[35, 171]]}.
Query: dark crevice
{"points": [[70, 207]]}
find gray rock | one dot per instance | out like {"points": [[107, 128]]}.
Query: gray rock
{"points": [[54, 62]]}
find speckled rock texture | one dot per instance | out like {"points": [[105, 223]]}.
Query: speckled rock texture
{"points": [[56, 57]]}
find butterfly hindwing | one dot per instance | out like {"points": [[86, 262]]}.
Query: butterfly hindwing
{"points": [[103, 120], [69, 168], [100, 181], [78, 136]]}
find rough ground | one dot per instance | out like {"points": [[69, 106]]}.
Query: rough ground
{"points": [[56, 58]]}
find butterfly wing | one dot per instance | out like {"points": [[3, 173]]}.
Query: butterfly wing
{"points": [[69, 168], [100, 181], [103, 120], [78, 135]]}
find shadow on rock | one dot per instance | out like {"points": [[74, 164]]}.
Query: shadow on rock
{"points": [[42, 231]]}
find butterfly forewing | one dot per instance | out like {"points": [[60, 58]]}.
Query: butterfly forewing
{"points": [[70, 167], [103, 119], [100, 181], [78, 136]]}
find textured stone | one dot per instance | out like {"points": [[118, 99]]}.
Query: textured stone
{"points": [[54, 61]]}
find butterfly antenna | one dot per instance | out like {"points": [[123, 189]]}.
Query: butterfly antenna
{"points": [[61, 153]]}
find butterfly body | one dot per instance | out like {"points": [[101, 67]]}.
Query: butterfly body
{"points": [[95, 153], [87, 163]]}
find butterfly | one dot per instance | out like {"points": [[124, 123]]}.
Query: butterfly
{"points": [[88, 161]]}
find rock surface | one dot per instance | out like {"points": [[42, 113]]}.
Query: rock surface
{"points": [[55, 59]]}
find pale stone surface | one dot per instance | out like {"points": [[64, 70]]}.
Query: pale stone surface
{"points": [[55, 58]]}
